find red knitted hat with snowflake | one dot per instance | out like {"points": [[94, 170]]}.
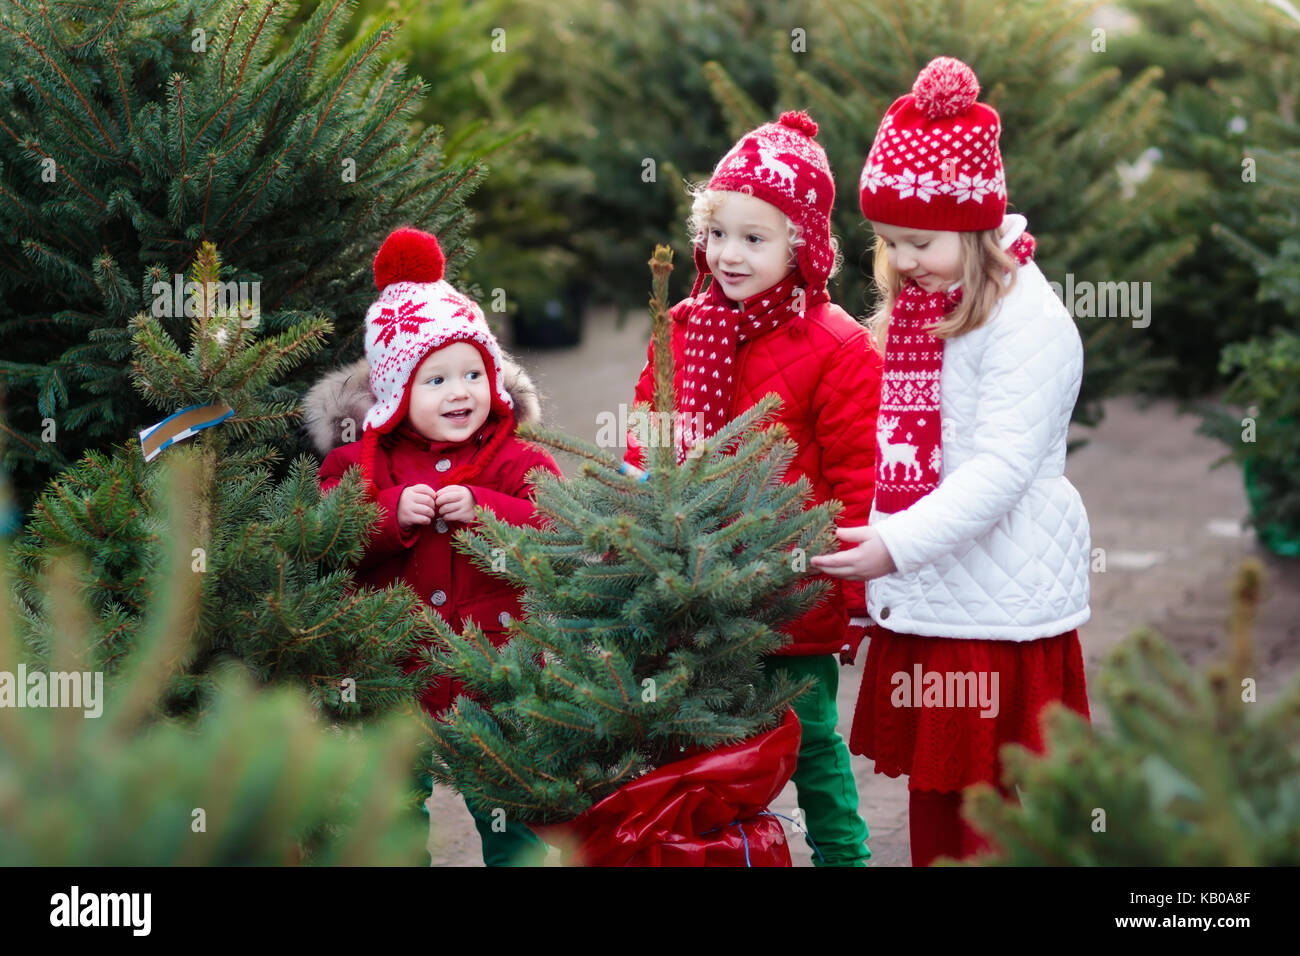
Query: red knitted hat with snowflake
{"points": [[935, 162], [780, 163], [417, 312]]}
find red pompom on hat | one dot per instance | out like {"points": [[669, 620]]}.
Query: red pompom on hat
{"points": [[409, 255], [946, 87], [935, 162], [782, 164], [417, 312], [799, 120]]}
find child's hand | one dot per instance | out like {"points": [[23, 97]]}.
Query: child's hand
{"points": [[415, 506], [456, 503], [870, 559]]}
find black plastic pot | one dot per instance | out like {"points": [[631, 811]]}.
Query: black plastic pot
{"points": [[554, 323]]}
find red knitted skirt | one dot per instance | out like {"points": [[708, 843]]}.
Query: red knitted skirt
{"points": [[939, 709]]}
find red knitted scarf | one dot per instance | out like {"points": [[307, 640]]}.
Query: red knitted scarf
{"points": [[714, 330], [909, 433]]}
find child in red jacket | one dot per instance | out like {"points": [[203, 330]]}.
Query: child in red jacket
{"points": [[765, 323], [439, 441]]}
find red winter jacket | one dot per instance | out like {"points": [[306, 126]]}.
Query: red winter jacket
{"points": [[423, 556], [826, 370]]}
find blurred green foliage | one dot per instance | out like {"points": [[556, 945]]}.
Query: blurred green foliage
{"points": [[1246, 301], [260, 777], [500, 82], [650, 123], [596, 90], [1233, 81]]}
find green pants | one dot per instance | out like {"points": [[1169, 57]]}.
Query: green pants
{"points": [[823, 778], [516, 845]]}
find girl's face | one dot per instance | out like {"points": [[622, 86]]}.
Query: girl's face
{"points": [[450, 394], [932, 259], [747, 246]]}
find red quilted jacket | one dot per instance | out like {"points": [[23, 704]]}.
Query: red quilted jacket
{"points": [[423, 556], [826, 370]]}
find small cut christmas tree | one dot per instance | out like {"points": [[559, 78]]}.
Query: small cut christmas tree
{"points": [[650, 600]]}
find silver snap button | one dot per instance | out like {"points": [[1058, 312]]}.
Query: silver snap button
{"points": [[439, 598], [443, 464], [884, 613], [441, 526], [504, 618]]}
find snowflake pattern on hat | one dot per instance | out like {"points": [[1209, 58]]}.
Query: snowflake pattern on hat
{"points": [[410, 319]]}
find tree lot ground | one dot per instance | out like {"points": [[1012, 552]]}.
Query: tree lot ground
{"points": [[1168, 525]]}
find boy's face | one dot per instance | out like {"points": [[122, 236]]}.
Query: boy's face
{"points": [[450, 393], [747, 246], [932, 259]]}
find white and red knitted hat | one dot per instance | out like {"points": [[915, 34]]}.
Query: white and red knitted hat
{"points": [[780, 163], [417, 312], [935, 162]]}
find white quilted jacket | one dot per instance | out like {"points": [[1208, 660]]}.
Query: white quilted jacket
{"points": [[999, 550]]}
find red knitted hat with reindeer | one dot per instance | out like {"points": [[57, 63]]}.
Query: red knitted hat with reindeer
{"points": [[417, 312], [935, 162], [780, 163]]}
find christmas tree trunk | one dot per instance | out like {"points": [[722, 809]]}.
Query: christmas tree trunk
{"points": [[630, 717]]}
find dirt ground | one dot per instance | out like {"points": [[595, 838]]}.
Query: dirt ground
{"points": [[1169, 525]]}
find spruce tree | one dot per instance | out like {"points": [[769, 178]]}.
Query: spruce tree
{"points": [[1265, 167], [272, 556], [131, 131], [259, 778], [649, 604], [1259, 426], [1262, 169], [501, 79], [642, 120], [1233, 87], [1194, 771]]}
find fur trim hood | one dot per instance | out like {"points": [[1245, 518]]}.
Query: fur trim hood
{"points": [[345, 393]]}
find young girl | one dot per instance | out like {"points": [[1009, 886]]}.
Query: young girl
{"points": [[439, 421], [977, 548], [761, 229]]}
